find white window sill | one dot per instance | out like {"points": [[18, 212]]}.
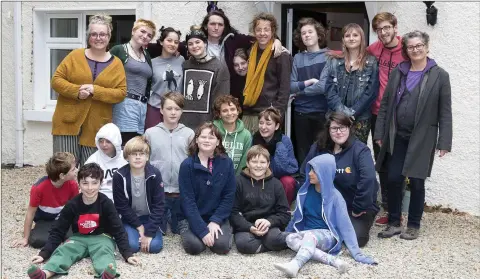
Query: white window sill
{"points": [[39, 115]]}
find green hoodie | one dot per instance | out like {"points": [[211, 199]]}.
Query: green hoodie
{"points": [[236, 143]]}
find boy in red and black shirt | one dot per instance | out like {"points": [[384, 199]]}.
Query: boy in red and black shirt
{"points": [[96, 229], [47, 198]]}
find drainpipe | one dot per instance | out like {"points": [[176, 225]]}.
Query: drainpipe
{"points": [[17, 27]]}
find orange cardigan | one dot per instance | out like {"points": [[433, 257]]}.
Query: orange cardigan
{"points": [[89, 115]]}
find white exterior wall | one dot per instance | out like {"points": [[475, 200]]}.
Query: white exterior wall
{"points": [[455, 179]]}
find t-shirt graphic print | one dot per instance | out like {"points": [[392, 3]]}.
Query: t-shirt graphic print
{"points": [[87, 223], [197, 89]]}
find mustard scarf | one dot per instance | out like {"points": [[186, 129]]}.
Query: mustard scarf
{"points": [[256, 75]]}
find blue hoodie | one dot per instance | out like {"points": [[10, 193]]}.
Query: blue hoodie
{"points": [[283, 162], [308, 65], [355, 178], [334, 209], [206, 197]]}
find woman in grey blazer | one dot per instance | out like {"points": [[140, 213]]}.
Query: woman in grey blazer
{"points": [[414, 119]]}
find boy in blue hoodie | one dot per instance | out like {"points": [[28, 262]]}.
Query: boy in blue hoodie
{"points": [[139, 198], [320, 222], [283, 162], [307, 84]]}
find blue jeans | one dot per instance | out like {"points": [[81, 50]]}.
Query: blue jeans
{"points": [[172, 208], [133, 238]]}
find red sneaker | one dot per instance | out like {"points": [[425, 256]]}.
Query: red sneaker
{"points": [[383, 220]]}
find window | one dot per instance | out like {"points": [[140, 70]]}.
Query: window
{"points": [[56, 34]]}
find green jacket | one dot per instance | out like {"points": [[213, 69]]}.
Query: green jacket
{"points": [[236, 143], [120, 51]]}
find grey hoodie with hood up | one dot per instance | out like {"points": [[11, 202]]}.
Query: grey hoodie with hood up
{"points": [[168, 150]]}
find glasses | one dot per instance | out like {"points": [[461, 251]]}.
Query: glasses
{"points": [[98, 35], [336, 129], [417, 47], [385, 29]]}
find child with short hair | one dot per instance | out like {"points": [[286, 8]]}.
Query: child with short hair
{"points": [[139, 198], [260, 211], [47, 197], [283, 162], [236, 139], [109, 155], [169, 141], [94, 222]]}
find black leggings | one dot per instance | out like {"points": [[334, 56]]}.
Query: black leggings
{"points": [[193, 245], [126, 136]]}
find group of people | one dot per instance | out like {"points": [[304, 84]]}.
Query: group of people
{"points": [[188, 136]]}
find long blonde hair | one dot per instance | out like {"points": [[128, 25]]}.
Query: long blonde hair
{"points": [[362, 54]]}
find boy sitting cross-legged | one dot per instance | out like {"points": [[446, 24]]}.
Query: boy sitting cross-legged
{"points": [[94, 222], [47, 198], [283, 162], [169, 142], [236, 138], [260, 211]]}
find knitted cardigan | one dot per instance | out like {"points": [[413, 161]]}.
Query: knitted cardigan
{"points": [[72, 114]]}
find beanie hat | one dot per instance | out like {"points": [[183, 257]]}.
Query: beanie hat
{"points": [[196, 32]]}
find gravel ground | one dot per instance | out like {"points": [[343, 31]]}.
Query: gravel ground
{"points": [[448, 247]]}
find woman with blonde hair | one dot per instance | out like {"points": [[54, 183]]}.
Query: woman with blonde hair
{"points": [[352, 80], [130, 114], [88, 82]]}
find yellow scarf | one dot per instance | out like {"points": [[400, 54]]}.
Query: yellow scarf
{"points": [[256, 75]]}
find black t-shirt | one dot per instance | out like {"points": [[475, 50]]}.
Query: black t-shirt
{"points": [[97, 218]]}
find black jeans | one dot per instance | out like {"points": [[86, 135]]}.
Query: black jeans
{"points": [[126, 136], [307, 127], [396, 185], [39, 234], [193, 245], [383, 175], [362, 226], [248, 243]]}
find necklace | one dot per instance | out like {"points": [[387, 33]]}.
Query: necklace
{"points": [[139, 55]]}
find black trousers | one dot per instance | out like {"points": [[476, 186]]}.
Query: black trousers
{"points": [[307, 127], [396, 188], [362, 226], [383, 175], [39, 234], [193, 245], [126, 136], [273, 240]]}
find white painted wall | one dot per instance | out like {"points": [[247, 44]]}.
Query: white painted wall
{"points": [[455, 179]]}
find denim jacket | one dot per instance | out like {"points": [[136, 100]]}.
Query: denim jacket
{"points": [[352, 93]]}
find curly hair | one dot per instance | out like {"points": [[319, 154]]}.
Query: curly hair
{"points": [[414, 34], [267, 17], [321, 33], [225, 99], [92, 170]]}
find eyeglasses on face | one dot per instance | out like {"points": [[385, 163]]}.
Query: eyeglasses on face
{"points": [[339, 128], [98, 35], [417, 47], [384, 29]]}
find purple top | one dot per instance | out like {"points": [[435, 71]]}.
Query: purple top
{"points": [[413, 78], [97, 67]]}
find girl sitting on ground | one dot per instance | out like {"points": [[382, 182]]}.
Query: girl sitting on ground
{"points": [[320, 223]]}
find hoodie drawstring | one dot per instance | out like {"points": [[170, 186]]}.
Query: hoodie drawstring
{"points": [[263, 183]]}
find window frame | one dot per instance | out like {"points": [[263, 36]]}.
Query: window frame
{"points": [[44, 106]]}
